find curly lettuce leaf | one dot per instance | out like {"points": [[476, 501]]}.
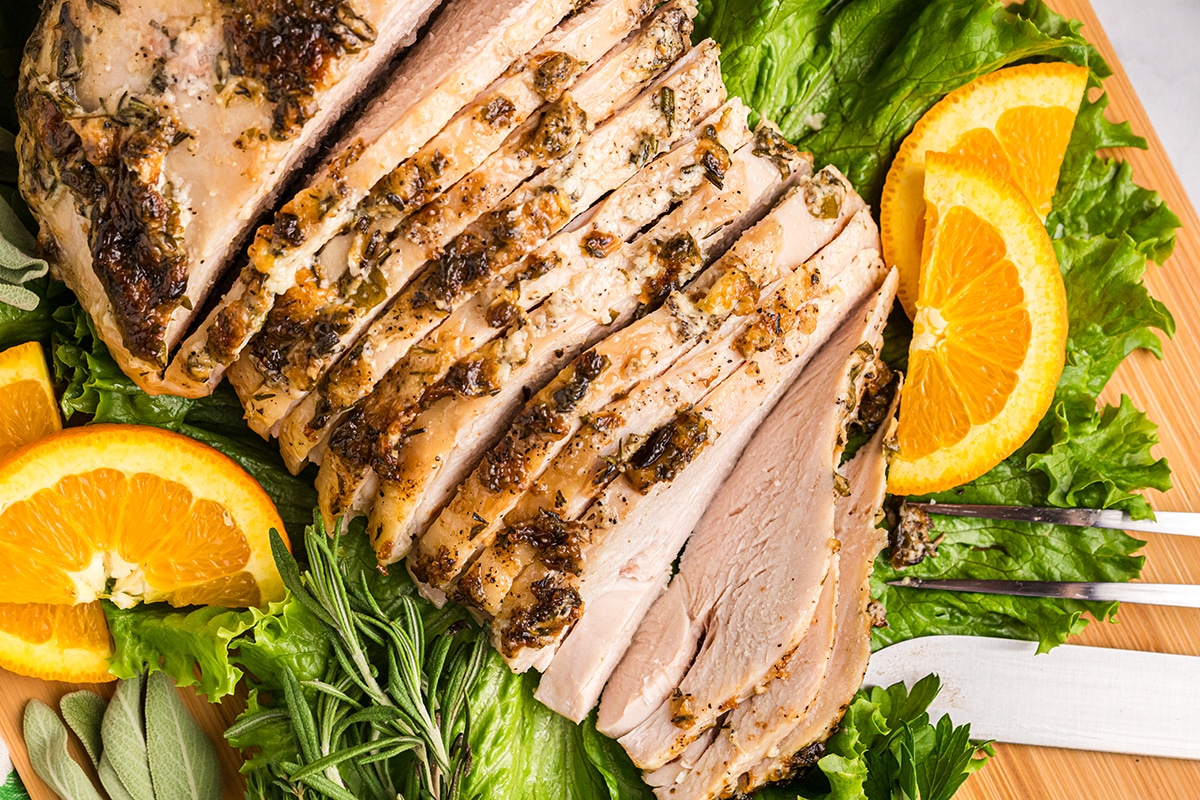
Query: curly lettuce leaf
{"points": [[95, 385], [1102, 462], [211, 648], [996, 550], [1097, 196], [1111, 312], [287, 635], [263, 743], [887, 747], [192, 647]]}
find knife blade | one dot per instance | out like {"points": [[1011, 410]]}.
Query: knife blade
{"points": [[1180, 523], [1183, 595], [1085, 698]]}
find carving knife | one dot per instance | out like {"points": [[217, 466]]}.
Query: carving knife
{"points": [[1084, 698], [1181, 523]]}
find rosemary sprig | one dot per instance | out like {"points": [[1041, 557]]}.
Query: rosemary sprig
{"points": [[389, 718]]}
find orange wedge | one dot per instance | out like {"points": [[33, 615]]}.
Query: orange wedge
{"points": [[28, 410], [989, 338], [133, 513], [1017, 121], [55, 643]]}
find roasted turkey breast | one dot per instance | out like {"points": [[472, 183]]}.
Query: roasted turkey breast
{"points": [[537, 300], [153, 136]]}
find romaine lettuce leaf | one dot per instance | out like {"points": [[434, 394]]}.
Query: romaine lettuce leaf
{"points": [[848, 80], [523, 749]]}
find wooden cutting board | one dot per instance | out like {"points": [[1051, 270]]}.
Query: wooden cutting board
{"points": [[1169, 391]]}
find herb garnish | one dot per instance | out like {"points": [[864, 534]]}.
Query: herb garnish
{"points": [[143, 744], [363, 731]]}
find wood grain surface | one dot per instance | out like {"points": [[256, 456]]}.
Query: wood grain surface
{"points": [[1169, 391]]}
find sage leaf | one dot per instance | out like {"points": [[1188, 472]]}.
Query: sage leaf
{"points": [[46, 739], [111, 781], [84, 711], [123, 733], [17, 265], [183, 762]]}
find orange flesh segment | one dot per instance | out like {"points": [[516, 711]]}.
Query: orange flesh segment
{"points": [[1035, 138], [55, 642], [26, 414], [968, 286], [28, 410], [182, 541]]}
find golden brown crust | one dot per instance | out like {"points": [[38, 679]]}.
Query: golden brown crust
{"points": [[111, 166]]}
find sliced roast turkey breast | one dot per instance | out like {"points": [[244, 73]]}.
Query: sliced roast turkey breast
{"points": [[588, 169], [807, 665], [748, 583], [497, 243], [576, 676], [311, 325], [457, 385], [153, 137], [468, 46], [770, 734], [861, 541], [715, 314], [673, 252], [613, 281], [482, 317], [634, 530]]}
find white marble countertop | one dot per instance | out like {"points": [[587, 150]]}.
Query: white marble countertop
{"points": [[1158, 42]]}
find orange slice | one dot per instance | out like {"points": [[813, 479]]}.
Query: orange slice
{"points": [[1017, 121], [55, 643], [989, 338], [64, 643], [133, 513], [28, 410]]}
